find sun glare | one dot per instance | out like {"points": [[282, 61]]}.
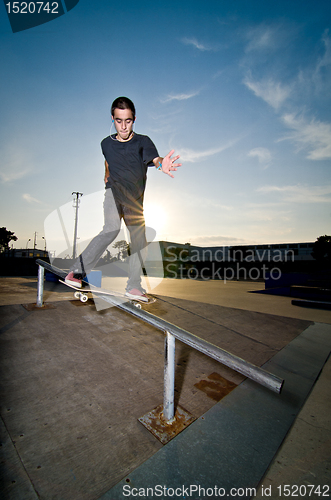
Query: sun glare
{"points": [[155, 216]]}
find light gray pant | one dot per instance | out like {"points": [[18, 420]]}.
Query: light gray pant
{"points": [[134, 220]]}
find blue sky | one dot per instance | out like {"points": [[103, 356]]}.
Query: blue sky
{"points": [[241, 90]]}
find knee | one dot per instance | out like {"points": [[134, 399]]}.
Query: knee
{"points": [[109, 234]]}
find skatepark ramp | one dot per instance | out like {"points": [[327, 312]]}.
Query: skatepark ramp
{"points": [[173, 332]]}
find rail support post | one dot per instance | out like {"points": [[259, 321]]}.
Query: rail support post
{"points": [[163, 422], [169, 378], [40, 291]]}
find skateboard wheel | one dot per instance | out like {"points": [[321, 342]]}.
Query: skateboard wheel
{"points": [[138, 306], [77, 295], [83, 297]]}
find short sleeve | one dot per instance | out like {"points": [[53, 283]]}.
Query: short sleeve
{"points": [[149, 151]]}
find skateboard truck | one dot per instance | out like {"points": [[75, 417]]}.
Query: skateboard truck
{"points": [[83, 297]]}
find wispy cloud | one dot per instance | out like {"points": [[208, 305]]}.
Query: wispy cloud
{"points": [[272, 92], [262, 154], [266, 212], [11, 175], [269, 37], [260, 38], [312, 134], [189, 155], [216, 240], [199, 45], [27, 197], [16, 163], [313, 81], [300, 193], [180, 97], [325, 60], [308, 133]]}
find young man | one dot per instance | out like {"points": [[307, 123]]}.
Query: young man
{"points": [[127, 157]]}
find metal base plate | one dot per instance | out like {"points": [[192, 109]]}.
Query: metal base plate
{"points": [[34, 307], [163, 431]]}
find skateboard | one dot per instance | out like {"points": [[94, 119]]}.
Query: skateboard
{"points": [[82, 295]]}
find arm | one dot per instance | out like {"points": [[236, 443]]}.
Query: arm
{"points": [[106, 172], [167, 163]]}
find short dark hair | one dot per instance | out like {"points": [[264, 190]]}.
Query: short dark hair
{"points": [[123, 103]]}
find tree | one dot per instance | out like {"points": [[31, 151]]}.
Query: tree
{"points": [[107, 259], [322, 249], [123, 249], [5, 238]]}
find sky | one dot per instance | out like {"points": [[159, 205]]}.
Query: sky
{"points": [[240, 90]]}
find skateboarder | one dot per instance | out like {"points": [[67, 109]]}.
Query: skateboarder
{"points": [[127, 157]]}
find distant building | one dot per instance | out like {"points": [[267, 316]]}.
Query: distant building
{"points": [[24, 252], [237, 262], [282, 252], [176, 260]]}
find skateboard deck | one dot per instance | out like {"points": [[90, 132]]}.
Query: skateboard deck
{"points": [[82, 294]]}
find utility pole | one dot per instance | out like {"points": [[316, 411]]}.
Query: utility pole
{"points": [[76, 205], [35, 241]]}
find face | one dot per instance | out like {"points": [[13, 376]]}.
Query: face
{"points": [[123, 119]]}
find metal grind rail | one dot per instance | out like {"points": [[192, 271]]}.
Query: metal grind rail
{"points": [[173, 332]]}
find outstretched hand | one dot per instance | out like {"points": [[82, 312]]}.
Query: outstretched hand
{"points": [[169, 165]]}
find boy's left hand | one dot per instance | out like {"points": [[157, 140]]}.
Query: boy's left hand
{"points": [[169, 165]]}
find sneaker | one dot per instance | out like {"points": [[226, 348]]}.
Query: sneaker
{"points": [[73, 280], [136, 294]]}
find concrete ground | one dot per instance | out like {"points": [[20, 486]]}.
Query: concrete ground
{"points": [[74, 381]]}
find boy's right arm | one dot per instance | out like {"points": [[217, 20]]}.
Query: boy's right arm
{"points": [[106, 172]]}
